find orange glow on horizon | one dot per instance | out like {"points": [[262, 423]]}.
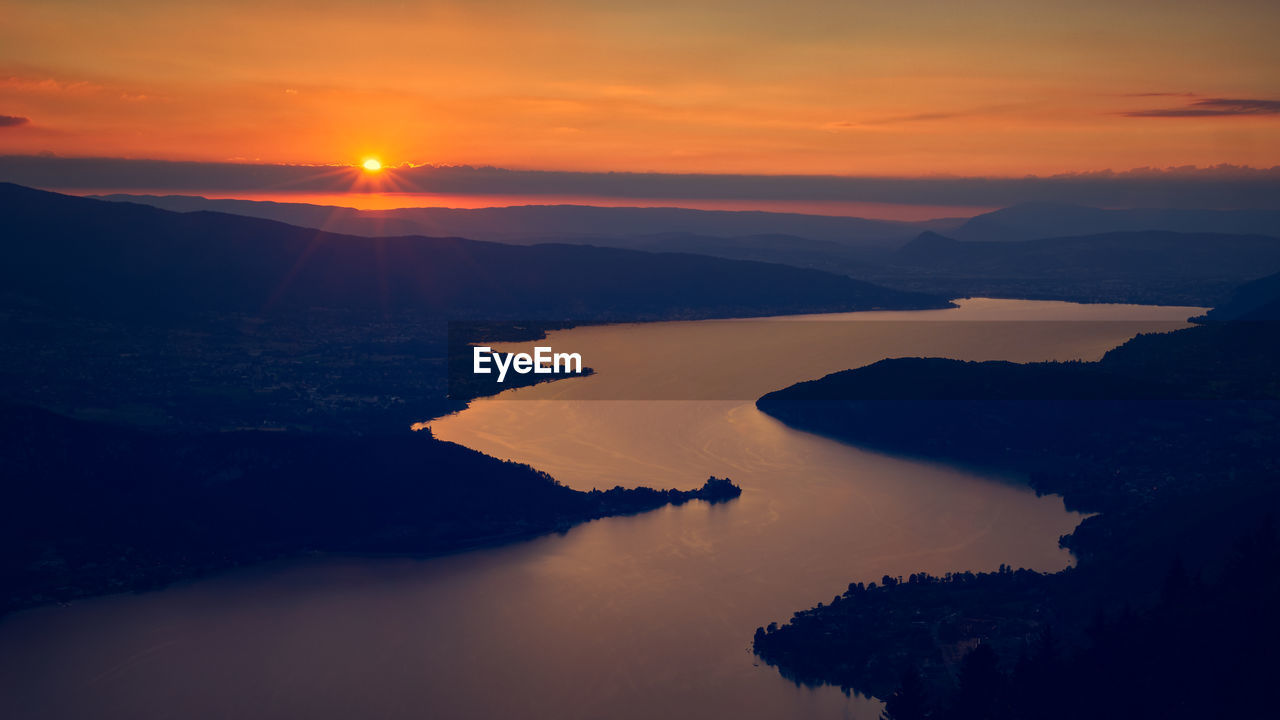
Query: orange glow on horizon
{"points": [[365, 197]]}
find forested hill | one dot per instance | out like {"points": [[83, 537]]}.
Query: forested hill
{"points": [[1171, 438], [1156, 415], [91, 508], [1255, 301]]}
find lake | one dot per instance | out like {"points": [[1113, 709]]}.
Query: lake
{"points": [[645, 616]]}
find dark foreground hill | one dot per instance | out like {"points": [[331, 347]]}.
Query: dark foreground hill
{"points": [[90, 508], [1171, 438], [1258, 300]]}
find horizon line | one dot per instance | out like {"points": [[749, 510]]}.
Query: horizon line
{"points": [[1222, 186]]}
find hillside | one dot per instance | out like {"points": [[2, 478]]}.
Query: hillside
{"points": [[1257, 300], [1170, 439], [1033, 221], [1155, 267], [1064, 252], [1123, 254], [91, 256], [1154, 416], [526, 224], [208, 321], [91, 508], [185, 393]]}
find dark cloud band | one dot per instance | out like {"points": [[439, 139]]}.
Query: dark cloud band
{"points": [[1218, 187], [1214, 107]]}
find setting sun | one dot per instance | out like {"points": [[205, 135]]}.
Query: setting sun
{"points": [[372, 165]]}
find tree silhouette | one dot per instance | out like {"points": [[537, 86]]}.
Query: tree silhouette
{"points": [[981, 692], [909, 702]]}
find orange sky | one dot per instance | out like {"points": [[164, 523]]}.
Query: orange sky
{"points": [[895, 88]]}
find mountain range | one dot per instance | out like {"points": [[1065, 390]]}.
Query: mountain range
{"points": [[620, 225], [565, 223], [1152, 266], [1038, 250], [1031, 221], [100, 257]]}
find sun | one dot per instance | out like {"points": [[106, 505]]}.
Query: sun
{"points": [[372, 165]]}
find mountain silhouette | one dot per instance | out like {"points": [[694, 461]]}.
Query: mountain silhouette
{"points": [[1147, 254], [537, 223], [1031, 221], [1255, 301], [95, 257]]}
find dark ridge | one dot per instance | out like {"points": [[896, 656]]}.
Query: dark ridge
{"points": [[92, 508], [1251, 302], [99, 258], [533, 223], [1148, 267], [1171, 438], [1032, 221], [1148, 254], [1095, 267]]}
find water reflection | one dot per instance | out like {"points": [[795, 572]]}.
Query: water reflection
{"points": [[632, 617]]}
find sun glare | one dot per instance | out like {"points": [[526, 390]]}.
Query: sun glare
{"points": [[372, 165]]}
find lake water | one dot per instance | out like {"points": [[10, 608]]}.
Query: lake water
{"points": [[647, 616]]}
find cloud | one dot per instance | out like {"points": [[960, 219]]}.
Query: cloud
{"points": [[12, 121], [923, 117], [1212, 107], [918, 117], [1222, 186], [48, 85]]}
